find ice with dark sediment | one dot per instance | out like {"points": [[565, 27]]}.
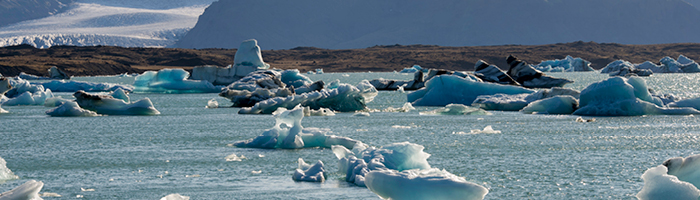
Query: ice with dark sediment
{"points": [[517, 102], [530, 77], [491, 73], [262, 85], [108, 105]]}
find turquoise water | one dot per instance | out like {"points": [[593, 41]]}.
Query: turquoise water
{"points": [[183, 149]]}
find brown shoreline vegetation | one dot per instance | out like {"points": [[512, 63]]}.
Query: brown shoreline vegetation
{"points": [[111, 60]]}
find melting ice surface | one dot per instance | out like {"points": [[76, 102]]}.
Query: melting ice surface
{"points": [[534, 156]]}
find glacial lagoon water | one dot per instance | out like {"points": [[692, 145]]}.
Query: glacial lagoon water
{"points": [[183, 150]]}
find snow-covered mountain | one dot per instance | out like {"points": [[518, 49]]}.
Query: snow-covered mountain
{"points": [[13, 11], [341, 24], [129, 23]]}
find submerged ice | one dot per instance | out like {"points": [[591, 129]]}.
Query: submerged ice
{"points": [[288, 133]]}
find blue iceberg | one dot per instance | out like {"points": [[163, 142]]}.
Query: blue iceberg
{"points": [[108, 105], [423, 184], [363, 159], [568, 64], [74, 86], [288, 133], [70, 109], [309, 173], [620, 96], [686, 169], [447, 89], [171, 81], [557, 105]]}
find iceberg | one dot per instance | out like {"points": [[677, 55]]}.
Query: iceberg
{"points": [[661, 186], [386, 84], [171, 81], [247, 59], [74, 86], [568, 64], [487, 130], [55, 73], [363, 159], [625, 68], [666, 65], [447, 89], [309, 173], [619, 96], [27, 191], [557, 105], [5, 173], [493, 74], [55, 101], [320, 112], [212, 103], [175, 197], [29, 99], [686, 103], [345, 98], [70, 109], [248, 54], [413, 69], [4, 87], [407, 107], [685, 169], [263, 85], [108, 105], [457, 109], [423, 184], [517, 102], [288, 133], [529, 77]]}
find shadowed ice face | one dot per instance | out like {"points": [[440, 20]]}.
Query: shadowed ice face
{"points": [[4, 85]]}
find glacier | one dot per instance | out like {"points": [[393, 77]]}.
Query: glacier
{"points": [[171, 81], [309, 173], [619, 96], [27, 191], [108, 105], [288, 133], [446, 89], [423, 184]]}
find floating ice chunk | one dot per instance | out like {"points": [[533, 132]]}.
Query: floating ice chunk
{"points": [[422, 184], [27, 191], [362, 159], [309, 173], [292, 77], [411, 70], [70, 109], [361, 114], [487, 130], [660, 186], [171, 81], [55, 101], [345, 98], [691, 103], [175, 197], [517, 102], [4, 87], [289, 134], [73, 86], [447, 89], [557, 105], [29, 99], [108, 105], [568, 64], [456, 109], [686, 169], [580, 119], [493, 74], [407, 107], [120, 94], [49, 194], [212, 103], [263, 85], [320, 112], [90, 189], [5, 173], [529, 77], [221, 75], [620, 96], [234, 157], [248, 54]]}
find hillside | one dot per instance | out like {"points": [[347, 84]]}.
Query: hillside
{"points": [[13, 11], [337, 24], [108, 60]]}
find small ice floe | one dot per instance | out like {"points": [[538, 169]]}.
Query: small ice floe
{"points": [[404, 127], [487, 130], [233, 157], [361, 114], [309, 173], [346, 75], [686, 169], [456, 109], [320, 112], [580, 119], [405, 108], [261, 156], [212, 103], [29, 190], [49, 194], [256, 172], [87, 190], [175, 197], [193, 176], [5, 173]]}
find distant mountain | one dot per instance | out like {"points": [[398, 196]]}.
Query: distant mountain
{"points": [[342, 24], [695, 3], [13, 11]]}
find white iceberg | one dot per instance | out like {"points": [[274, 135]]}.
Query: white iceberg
{"points": [[456, 109], [363, 159], [661, 186], [557, 105], [175, 197], [108, 105], [120, 94], [171, 81], [686, 169], [422, 184], [407, 107], [5, 173], [686, 103], [619, 96], [248, 54], [487, 130], [29, 99], [309, 173], [70, 109], [447, 89], [55, 101], [288, 133], [568, 64], [212, 103], [320, 112], [27, 191], [345, 98], [73, 86]]}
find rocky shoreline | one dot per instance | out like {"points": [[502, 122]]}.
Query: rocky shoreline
{"points": [[110, 60]]}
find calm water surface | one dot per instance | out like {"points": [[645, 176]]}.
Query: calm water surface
{"points": [[183, 149]]}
